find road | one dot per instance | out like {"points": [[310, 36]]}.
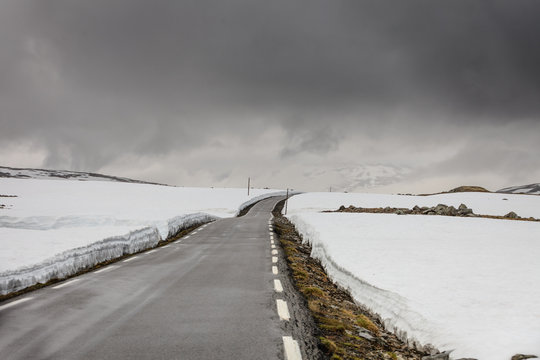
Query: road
{"points": [[207, 296]]}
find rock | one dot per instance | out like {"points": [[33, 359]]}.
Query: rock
{"points": [[440, 209], [366, 335], [464, 212], [400, 212], [511, 215], [462, 207], [441, 356], [341, 208], [451, 211], [522, 357]]}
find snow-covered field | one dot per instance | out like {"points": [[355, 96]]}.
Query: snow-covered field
{"points": [[52, 228], [481, 203], [468, 284]]}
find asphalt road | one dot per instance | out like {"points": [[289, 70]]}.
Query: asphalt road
{"points": [[207, 296]]}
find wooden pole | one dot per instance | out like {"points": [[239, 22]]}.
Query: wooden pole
{"points": [[249, 180], [286, 201]]}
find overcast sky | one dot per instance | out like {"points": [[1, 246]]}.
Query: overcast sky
{"points": [[312, 94]]}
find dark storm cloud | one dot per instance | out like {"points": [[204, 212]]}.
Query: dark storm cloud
{"points": [[91, 80], [319, 141]]}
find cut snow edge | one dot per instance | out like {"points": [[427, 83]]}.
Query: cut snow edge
{"points": [[72, 261], [385, 304]]}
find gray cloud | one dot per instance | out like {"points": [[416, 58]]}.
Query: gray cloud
{"points": [[92, 83]]}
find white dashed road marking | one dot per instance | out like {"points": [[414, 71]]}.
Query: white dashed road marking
{"points": [[274, 270], [166, 246], [65, 284], [130, 259], [108, 268], [273, 246], [274, 252], [274, 259], [283, 310], [151, 251], [277, 286], [16, 302], [291, 348]]}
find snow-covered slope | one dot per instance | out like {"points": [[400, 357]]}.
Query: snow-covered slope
{"points": [[357, 177], [531, 189], [468, 284], [54, 228], [8, 172]]}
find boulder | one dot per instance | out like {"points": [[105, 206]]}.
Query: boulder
{"points": [[440, 209], [511, 215], [441, 356], [522, 357]]}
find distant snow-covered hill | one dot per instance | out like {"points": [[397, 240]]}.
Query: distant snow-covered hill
{"points": [[358, 177], [8, 172], [532, 189]]}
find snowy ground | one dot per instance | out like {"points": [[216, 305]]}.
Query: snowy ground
{"points": [[481, 203], [468, 284], [53, 228]]}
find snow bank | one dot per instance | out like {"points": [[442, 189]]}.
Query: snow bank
{"points": [[481, 203], [53, 229], [468, 284]]}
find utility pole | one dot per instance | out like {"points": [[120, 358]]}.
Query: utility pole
{"points": [[286, 201], [249, 180]]}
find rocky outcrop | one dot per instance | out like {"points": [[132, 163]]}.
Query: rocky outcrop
{"points": [[440, 209]]}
